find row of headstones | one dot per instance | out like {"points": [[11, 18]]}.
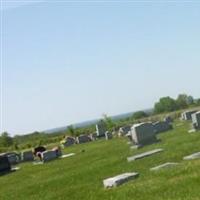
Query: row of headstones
{"points": [[159, 127], [122, 178], [151, 128], [193, 115], [144, 133], [100, 133], [68, 141], [7, 160], [15, 158]]}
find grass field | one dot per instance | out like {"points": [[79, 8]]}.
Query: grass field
{"points": [[80, 177]]}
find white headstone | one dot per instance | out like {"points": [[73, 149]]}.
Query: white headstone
{"points": [[196, 120], [187, 115], [108, 135]]}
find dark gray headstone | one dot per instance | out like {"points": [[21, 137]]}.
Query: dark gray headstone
{"points": [[83, 139], [100, 129], [58, 151], [5, 165], [168, 119], [143, 133], [161, 126], [68, 141], [27, 156], [48, 155], [13, 157]]}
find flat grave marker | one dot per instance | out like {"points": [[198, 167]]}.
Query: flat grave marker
{"points": [[163, 166], [119, 179], [143, 155], [67, 155], [192, 156]]}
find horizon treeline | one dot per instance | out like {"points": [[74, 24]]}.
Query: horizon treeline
{"points": [[164, 105]]}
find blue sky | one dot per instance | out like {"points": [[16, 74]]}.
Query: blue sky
{"points": [[65, 62]]}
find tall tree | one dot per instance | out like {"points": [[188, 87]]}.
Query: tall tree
{"points": [[6, 140], [190, 100], [182, 101], [71, 130], [108, 122], [165, 104]]}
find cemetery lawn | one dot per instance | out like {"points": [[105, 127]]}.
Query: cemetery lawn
{"points": [[80, 177]]}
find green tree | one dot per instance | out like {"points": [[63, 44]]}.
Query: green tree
{"points": [[198, 102], [71, 130], [182, 101], [109, 123], [6, 140], [190, 100], [16, 147], [165, 104], [139, 115]]}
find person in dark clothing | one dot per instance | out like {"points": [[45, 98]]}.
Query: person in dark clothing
{"points": [[38, 151]]}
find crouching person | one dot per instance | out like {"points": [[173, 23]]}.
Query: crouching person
{"points": [[37, 152]]}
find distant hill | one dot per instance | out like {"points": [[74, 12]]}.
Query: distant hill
{"points": [[93, 122]]}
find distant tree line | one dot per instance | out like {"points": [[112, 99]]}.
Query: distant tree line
{"points": [[164, 105], [168, 104]]}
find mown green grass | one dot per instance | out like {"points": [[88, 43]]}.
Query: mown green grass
{"points": [[80, 177]]}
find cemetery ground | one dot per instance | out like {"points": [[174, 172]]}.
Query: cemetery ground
{"points": [[80, 177]]}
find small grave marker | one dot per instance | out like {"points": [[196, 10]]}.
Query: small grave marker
{"points": [[120, 179], [143, 155], [165, 165], [192, 156]]}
